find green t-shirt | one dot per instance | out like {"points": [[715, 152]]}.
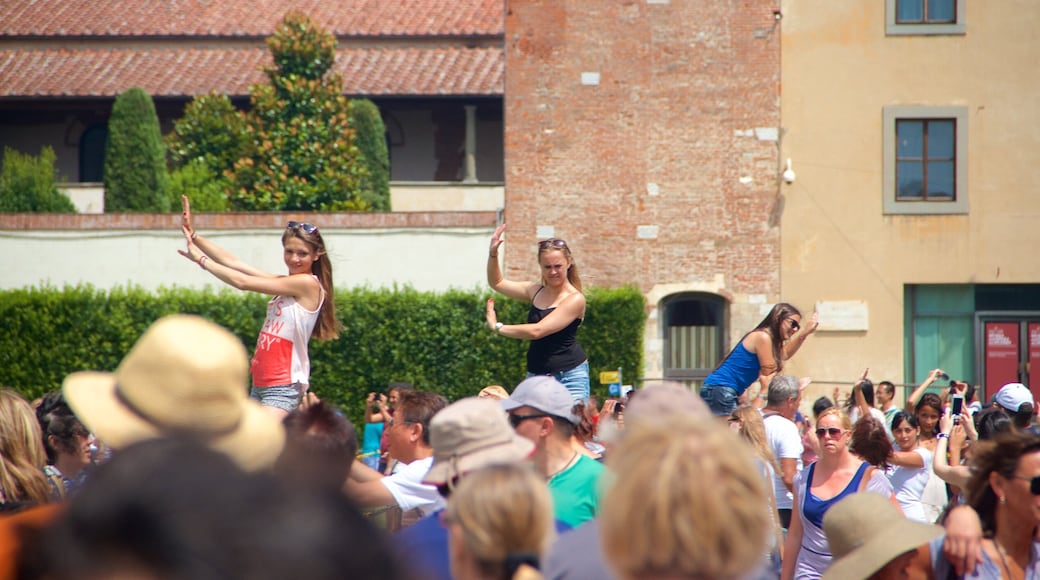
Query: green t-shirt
{"points": [[575, 492]]}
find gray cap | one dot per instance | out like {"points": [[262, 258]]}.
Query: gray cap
{"points": [[544, 393]]}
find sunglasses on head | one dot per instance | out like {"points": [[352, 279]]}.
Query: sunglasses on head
{"points": [[306, 227], [832, 431], [552, 243], [1034, 483]]}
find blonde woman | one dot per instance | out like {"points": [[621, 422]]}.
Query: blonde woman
{"points": [[500, 522], [557, 310], [835, 475], [747, 422], [686, 502], [22, 457]]}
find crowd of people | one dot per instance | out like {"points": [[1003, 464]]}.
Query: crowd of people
{"points": [[190, 461]]}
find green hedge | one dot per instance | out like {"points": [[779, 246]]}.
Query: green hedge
{"points": [[437, 341]]}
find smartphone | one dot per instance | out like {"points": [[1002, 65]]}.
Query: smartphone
{"points": [[957, 407]]}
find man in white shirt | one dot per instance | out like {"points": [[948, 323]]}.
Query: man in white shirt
{"points": [[409, 442], [782, 399]]}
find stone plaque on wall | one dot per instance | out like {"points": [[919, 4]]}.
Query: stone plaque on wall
{"points": [[843, 315]]}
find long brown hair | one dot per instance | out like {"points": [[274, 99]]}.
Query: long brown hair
{"points": [[328, 326], [773, 323], [557, 244]]}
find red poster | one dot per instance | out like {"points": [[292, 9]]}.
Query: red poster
{"points": [[1034, 359], [1001, 355]]}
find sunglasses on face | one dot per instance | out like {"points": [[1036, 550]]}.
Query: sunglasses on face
{"points": [[794, 324], [306, 227], [515, 420], [832, 431], [1034, 483], [552, 243]]}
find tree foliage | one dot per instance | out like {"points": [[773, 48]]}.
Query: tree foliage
{"points": [[212, 131], [27, 183], [371, 142], [301, 152], [135, 159]]}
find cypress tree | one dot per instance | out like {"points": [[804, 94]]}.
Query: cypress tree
{"points": [[135, 159], [371, 143]]}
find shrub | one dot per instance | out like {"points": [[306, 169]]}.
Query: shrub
{"points": [[27, 184], [438, 342], [135, 160]]}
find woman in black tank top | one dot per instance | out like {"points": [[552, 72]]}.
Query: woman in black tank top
{"points": [[557, 309]]}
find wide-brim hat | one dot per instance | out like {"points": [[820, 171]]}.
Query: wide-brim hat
{"points": [[469, 434], [187, 377], [865, 532]]}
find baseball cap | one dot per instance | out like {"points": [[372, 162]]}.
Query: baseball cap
{"points": [[1012, 396], [544, 393]]}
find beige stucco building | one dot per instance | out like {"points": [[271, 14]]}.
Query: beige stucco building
{"points": [[911, 220]]}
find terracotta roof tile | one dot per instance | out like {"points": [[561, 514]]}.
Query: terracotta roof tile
{"points": [[234, 18], [164, 72]]}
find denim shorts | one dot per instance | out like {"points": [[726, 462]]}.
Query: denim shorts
{"points": [[720, 399], [284, 397], [576, 380]]}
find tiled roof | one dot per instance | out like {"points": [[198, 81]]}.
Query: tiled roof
{"points": [[193, 71], [236, 18]]}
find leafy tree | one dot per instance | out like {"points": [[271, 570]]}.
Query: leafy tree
{"points": [[302, 153], [211, 130], [135, 160], [27, 184], [196, 180], [371, 142]]}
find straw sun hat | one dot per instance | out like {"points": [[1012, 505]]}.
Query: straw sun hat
{"points": [[185, 376], [469, 434], [865, 532]]}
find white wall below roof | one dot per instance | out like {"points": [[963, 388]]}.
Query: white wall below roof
{"points": [[428, 259]]}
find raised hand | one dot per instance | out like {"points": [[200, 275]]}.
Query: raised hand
{"points": [[496, 240]]}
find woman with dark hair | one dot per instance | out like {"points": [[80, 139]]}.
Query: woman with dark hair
{"points": [[1004, 491], [913, 466], [303, 306], [557, 310], [927, 411], [67, 443], [759, 356]]}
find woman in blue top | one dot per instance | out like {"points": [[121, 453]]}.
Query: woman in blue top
{"points": [[759, 356], [557, 309]]}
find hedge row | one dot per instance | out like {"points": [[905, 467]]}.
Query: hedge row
{"points": [[437, 341]]}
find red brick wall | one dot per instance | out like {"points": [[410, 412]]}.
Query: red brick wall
{"points": [[681, 85]]}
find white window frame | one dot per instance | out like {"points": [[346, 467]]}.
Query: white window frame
{"points": [[894, 113], [894, 29]]}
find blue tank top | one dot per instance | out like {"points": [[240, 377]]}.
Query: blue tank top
{"points": [[737, 372], [814, 507]]}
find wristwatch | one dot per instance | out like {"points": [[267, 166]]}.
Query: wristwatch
{"points": [[498, 326]]}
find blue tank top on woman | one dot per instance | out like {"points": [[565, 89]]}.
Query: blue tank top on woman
{"points": [[737, 372], [815, 507]]}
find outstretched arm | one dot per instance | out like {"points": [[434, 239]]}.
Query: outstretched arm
{"points": [[569, 309], [303, 287], [495, 279], [211, 249]]}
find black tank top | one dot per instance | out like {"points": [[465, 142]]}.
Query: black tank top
{"points": [[556, 352]]}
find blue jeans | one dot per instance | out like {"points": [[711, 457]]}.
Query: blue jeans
{"points": [[721, 400], [576, 380]]}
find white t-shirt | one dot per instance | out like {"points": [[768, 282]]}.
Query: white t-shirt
{"points": [[786, 443], [410, 492], [909, 483]]}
